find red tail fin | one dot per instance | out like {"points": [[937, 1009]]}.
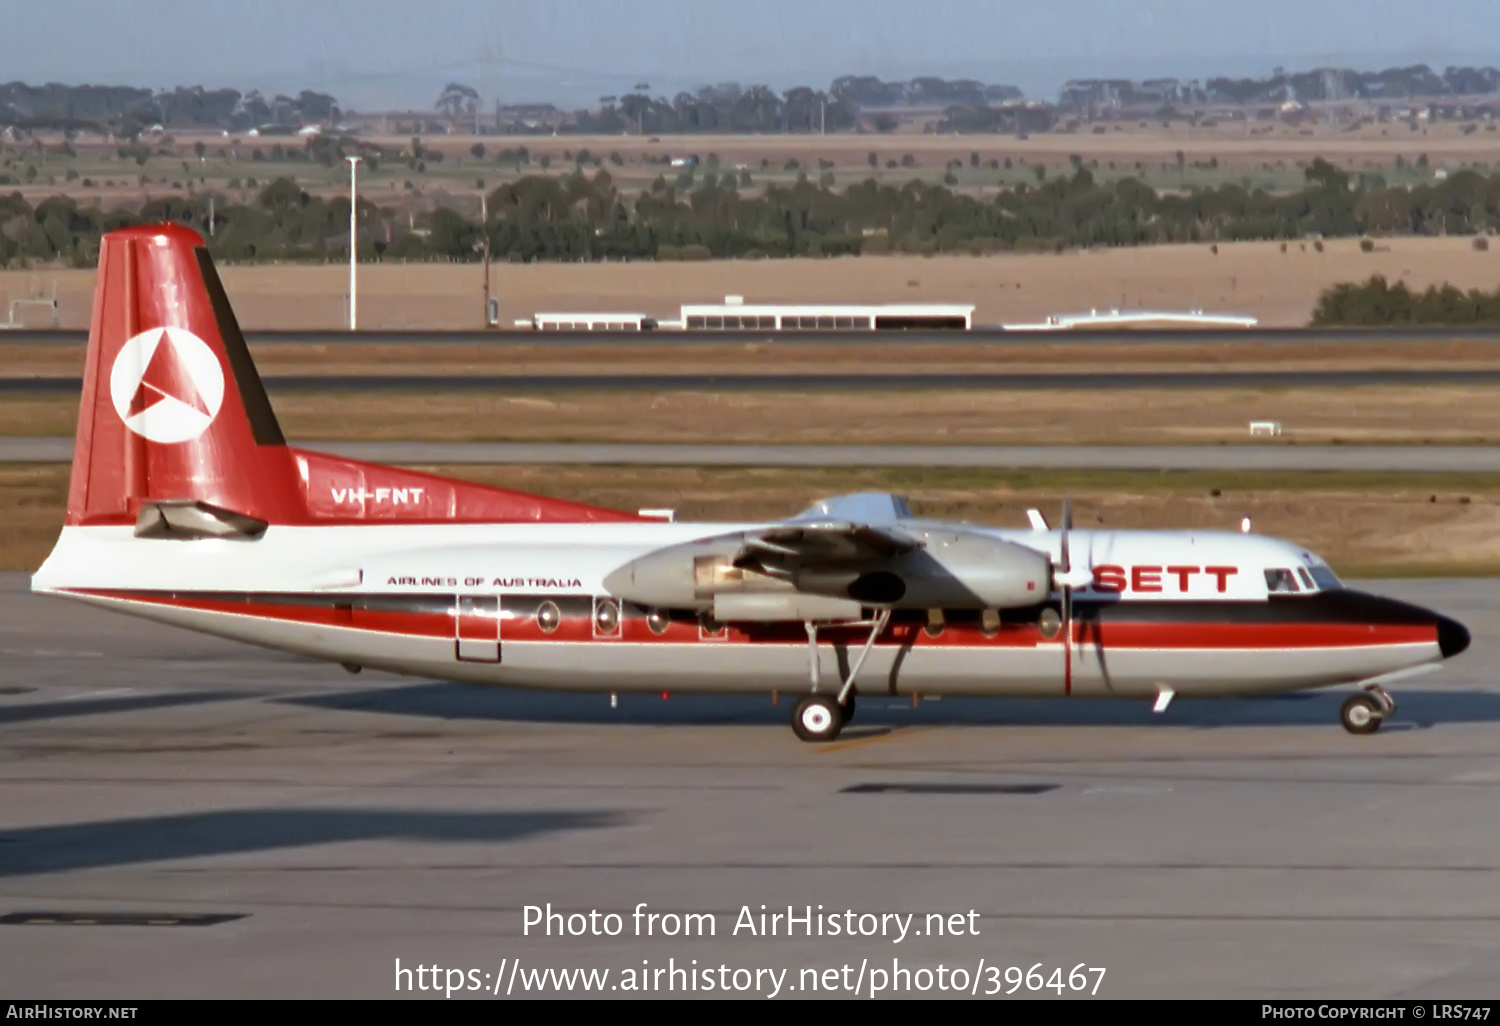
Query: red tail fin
{"points": [[172, 406], [174, 412]]}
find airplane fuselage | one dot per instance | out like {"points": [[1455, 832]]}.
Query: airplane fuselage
{"points": [[526, 605]]}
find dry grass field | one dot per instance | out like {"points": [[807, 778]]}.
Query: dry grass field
{"points": [[1254, 278], [759, 353], [1258, 155], [1239, 145], [1364, 524], [1450, 415]]}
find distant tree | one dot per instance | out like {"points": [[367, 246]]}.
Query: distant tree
{"points": [[457, 100], [477, 151]]}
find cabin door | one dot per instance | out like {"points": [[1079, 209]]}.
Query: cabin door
{"points": [[478, 628]]}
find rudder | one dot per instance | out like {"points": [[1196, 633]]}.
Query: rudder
{"points": [[172, 409]]}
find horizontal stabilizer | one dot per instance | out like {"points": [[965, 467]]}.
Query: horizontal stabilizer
{"points": [[188, 520]]}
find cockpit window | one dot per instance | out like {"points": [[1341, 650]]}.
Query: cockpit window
{"points": [[1281, 581], [1325, 579], [1307, 581]]}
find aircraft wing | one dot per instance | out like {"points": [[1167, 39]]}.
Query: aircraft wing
{"points": [[830, 545]]}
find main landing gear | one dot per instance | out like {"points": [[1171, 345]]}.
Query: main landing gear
{"points": [[817, 718], [820, 717], [1364, 711]]}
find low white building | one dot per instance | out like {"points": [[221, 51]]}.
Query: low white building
{"points": [[591, 322], [736, 315]]}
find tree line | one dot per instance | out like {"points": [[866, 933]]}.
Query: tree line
{"points": [[1376, 302], [708, 213]]}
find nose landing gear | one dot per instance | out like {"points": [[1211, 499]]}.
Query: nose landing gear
{"points": [[1364, 712]]}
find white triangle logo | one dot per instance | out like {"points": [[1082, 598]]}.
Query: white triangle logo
{"points": [[167, 385]]}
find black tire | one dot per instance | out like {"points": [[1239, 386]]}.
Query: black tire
{"points": [[817, 718], [848, 709], [1361, 714]]}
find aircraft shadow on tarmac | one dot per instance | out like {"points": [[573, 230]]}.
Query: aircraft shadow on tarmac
{"points": [[31, 711], [116, 842], [451, 701]]}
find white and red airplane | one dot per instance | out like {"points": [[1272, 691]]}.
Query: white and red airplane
{"points": [[187, 506]]}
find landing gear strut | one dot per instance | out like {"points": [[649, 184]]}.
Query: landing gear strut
{"points": [[820, 717]]}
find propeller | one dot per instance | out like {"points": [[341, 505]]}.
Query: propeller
{"points": [[1067, 597]]}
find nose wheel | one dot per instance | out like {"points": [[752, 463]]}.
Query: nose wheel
{"points": [[1363, 713], [820, 717]]}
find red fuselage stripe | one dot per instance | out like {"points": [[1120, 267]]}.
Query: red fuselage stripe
{"points": [[1117, 634]]}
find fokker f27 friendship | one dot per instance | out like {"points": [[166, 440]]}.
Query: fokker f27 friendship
{"points": [[187, 506]]}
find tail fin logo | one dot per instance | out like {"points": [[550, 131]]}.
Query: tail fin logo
{"points": [[167, 385]]}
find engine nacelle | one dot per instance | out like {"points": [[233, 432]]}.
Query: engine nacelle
{"points": [[688, 576], [778, 608], [956, 570], [951, 569]]}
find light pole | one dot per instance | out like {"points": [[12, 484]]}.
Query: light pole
{"points": [[353, 240]]}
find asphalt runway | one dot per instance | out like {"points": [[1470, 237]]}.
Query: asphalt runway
{"points": [[979, 336], [187, 817], [1270, 457], [367, 384]]}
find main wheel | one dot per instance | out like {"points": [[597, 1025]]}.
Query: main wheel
{"points": [[847, 710], [1361, 714], [817, 718]]}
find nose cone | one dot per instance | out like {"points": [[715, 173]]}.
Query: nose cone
{"points": [[1453, 637]]}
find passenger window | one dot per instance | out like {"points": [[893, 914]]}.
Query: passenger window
{"points": [[1307, 581], [696, 322], [825, 322], [1281, 581]]}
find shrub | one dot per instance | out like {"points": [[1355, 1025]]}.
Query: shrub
{"points": [[1367, 245], [1481, 244]]}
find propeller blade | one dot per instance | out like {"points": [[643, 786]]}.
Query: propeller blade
{"points": [[1067, 597], [1067, 634], [1067, 525]]}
